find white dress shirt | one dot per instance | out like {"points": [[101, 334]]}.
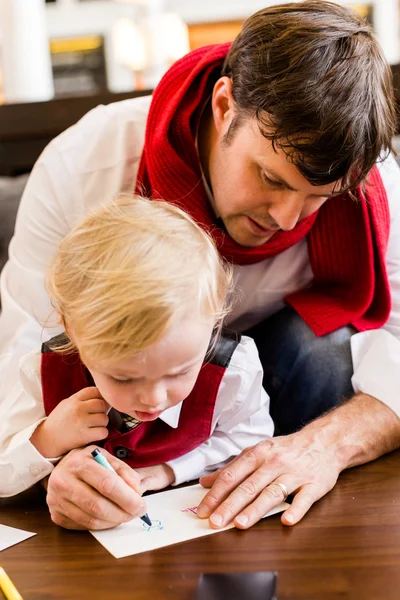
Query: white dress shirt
{"points": [[95, 160], [241, 418]]}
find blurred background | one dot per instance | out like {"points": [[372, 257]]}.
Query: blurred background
{"points": [[61, 58], [60, 48]]}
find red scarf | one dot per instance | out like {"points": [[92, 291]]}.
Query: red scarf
{"points": [[347, 240]]}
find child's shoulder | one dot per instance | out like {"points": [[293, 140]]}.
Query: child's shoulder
{"points": [[58, 341], [233, 350], [222, 349]]}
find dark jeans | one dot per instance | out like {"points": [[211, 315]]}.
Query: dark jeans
{"points": [[304, 375]]}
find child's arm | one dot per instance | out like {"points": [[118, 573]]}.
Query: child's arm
{"points": [[241, 419], [21, 413], [241, 416]]}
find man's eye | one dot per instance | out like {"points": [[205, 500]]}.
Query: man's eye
{"points": [[271, 182]]}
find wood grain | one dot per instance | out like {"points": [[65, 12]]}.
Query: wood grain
{"points": [[348, 546]]}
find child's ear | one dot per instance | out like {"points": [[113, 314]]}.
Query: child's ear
{"points": [[68, 331], [66, 328]]}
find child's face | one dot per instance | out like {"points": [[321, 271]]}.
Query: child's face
{"points": [[159, 377]]}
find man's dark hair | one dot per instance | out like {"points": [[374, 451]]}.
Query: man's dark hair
{"points": [[315, 78]]}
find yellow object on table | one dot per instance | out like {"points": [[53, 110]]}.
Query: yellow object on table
{"points": [[7, 587]]}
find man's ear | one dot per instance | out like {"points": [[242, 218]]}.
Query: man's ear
{"points": [[222, 104]]}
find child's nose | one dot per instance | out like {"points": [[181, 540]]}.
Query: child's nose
{"points": [[154, 396]]}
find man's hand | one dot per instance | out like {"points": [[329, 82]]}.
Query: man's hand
{"points": [[306, 463], [157, 477], [244, 490], [76, 421], [82, 494]]}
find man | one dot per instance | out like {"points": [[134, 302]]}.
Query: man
{"points": [[271, 144]]}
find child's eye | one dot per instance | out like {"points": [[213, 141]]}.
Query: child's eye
{"points": [[181, 374], [121, 381]]}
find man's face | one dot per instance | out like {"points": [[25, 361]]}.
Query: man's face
{"points": [[256, 190]]}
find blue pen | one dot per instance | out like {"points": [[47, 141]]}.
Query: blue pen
{"points": [[101, 459]]}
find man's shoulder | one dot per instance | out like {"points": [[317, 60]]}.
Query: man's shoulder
{"points": [[390, 174], [98, 157], [105, 132], [132, 110], [129, 110]]}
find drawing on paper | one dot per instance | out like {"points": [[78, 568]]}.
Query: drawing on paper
{"points": [[156, 524], [192, 510], [177, 522]]}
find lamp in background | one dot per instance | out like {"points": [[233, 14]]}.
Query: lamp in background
{"points": [[27, 73], [132, 1], [150, 42], [173, 36], [130, 49]]}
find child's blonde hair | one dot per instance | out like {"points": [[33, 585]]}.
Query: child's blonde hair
{"points": [[130, 270]]}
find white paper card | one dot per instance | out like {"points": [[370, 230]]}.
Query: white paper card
{"points": [[173, 514], [10, 536]]}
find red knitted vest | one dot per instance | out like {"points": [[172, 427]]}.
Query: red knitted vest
{"points": [[153, 442], [347, 240]]}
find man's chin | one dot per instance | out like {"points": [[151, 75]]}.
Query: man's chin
{"points": [[250, 241], [245, 237]]}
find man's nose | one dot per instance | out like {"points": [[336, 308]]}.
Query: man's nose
{"points": [[286, 212]]}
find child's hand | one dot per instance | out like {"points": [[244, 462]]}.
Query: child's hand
{"points": [[77, 421], [156, 477]]}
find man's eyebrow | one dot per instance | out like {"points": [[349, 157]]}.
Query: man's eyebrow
{"points": [[289, 187]]}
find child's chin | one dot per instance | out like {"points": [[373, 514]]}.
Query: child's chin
{"points": [[146, 416]]}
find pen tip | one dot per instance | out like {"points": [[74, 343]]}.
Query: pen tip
{"points": [[146, 519]]}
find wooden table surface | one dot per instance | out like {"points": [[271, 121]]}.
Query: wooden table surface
{"points": [[348, 546]]}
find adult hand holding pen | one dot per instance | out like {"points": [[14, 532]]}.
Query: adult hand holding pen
{"points": [[81, 494]]}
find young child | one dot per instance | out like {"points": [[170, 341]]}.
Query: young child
{"points": [[142, 368]]}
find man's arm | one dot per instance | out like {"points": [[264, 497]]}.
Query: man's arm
{"points": [[87, 165], [25, 304], [362, 429], [241, 416], [376, 353], [307, 463], [21, 465]]}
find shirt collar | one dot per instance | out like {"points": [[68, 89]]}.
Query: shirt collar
{"points": [[171, 415]]}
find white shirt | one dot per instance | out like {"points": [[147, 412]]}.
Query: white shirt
{"points": [[92, 162], [241, 418]]}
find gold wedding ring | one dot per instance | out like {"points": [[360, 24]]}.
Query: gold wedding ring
{"points": [[282, 487]]}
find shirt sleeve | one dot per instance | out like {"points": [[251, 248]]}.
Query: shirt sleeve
{"points": [[376, 353], [241, 416], [21, 465], [87, 165]]}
